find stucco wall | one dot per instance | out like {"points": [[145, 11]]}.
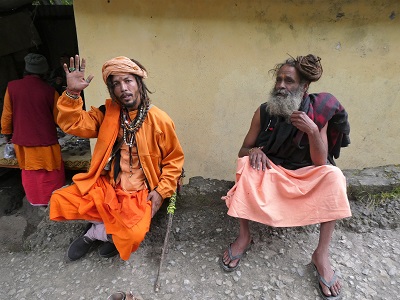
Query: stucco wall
{"points": [[208, 65]]}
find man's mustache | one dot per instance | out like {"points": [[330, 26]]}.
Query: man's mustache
{"points": [[281, 92], [125, 94]]}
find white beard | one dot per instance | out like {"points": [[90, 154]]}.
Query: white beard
{"points": [[283, 103]]}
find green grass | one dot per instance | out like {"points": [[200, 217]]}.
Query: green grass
{"points": [[375, 200]]}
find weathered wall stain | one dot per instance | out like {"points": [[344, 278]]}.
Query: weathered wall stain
{"points": [[209, 60]]}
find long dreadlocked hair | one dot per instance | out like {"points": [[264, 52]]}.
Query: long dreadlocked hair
{"points": [[309, 67]]}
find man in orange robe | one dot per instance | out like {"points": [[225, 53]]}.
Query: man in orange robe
{"points": [[29, 117], [135, 164], [286, 175]]}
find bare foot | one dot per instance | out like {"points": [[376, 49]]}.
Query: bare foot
{"points": [[325, 270], [129, 296], [238, 247]]}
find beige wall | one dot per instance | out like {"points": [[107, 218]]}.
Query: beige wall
{"points": [[208, 65]]}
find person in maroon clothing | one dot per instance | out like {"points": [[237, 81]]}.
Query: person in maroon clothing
{"points": [[29, 122]]}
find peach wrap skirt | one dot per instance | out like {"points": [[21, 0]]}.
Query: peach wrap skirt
{"points": [[285, 198]]}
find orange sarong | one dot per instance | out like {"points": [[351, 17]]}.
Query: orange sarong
{"points": [[126, 216], [285, 198]]}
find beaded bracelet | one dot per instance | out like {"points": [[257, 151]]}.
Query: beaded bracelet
{"points": [[71, 94]]}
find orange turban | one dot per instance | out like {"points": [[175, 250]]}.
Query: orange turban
{"points": [[121, 64]]}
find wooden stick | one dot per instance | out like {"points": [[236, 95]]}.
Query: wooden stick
{"points": [[170, 213], [164, 251]]}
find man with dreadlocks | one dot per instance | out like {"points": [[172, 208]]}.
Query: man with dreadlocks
{"points": [[286, 175], [135, 164]]}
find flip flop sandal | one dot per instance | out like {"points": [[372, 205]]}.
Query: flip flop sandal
{"points": [[117, 296], [122, 296], [228, 268], [327, 284]]}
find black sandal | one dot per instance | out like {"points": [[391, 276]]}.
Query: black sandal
{"points": [[227, 267]]}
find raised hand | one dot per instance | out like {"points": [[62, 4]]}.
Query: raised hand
{"points": [[75, 74]]}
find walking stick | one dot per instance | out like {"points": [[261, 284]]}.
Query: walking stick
{"points": [[170, 212]]}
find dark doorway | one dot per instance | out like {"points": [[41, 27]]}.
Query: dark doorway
{"points": [[46, 29]]}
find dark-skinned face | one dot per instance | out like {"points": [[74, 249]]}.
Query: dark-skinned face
{"points": [[126, 90]]}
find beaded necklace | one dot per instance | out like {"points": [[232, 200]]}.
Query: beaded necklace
{"points": [[130, 128]]}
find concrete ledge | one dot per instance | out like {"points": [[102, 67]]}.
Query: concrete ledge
{"points": [[372, 180]]}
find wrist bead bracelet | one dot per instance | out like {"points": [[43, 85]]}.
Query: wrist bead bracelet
{"points": [[71, 95]]}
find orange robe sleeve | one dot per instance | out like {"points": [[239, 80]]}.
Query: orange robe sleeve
{"points": [[6, 117], [72, 119], [171, 163], [90, 124], [157, 139]]}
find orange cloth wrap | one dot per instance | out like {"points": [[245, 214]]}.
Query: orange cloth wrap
{"points": [[121, 64], [125, 216]]}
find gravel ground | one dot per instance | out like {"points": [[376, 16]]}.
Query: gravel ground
{"points": [[365, 251]]}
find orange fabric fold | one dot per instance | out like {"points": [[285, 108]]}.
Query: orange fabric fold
{"points": [[102, 150], [121, 64], [42, 157], [126, 216]]}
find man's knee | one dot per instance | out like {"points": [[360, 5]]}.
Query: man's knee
{"points": [[334, 172]]}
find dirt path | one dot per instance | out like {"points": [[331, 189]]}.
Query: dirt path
{"points": [[276, 267]]}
